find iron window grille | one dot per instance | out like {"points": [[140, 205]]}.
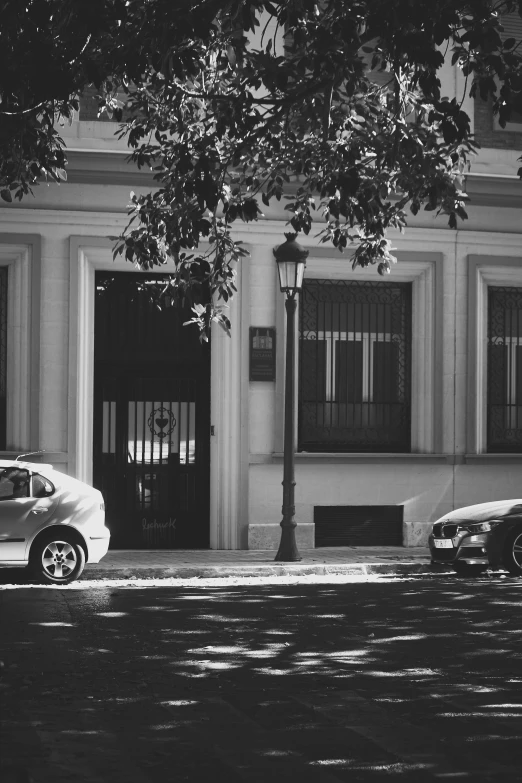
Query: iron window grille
{"points": [[512, 24], [3, 356], [355, 367], [504, 370]]}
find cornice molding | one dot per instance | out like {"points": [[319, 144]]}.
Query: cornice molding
{"points": [[105, 168], [113, 168], [494, 190]]}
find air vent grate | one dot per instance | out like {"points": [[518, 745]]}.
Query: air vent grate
{"points": [[358, 525]]}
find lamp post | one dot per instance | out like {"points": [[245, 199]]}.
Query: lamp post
{"points": [[291, 262]]}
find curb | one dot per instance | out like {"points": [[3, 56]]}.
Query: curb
{"points": [[213, 572]]}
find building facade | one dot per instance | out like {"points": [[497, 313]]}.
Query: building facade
{"points": [[409, 392]]}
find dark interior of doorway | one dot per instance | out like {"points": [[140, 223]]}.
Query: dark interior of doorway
{"points": [[151, 416]]}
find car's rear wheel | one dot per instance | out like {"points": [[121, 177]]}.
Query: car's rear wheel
{"points": [[57, 560], [513, 552], [469, 569]]}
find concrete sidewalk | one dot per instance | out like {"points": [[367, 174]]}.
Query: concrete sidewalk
{"points": [[208, 563]]}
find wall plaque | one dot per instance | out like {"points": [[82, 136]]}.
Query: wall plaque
{"points": [[262, 353]]}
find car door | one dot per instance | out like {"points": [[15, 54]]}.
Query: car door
{"points": [[21, 514]]}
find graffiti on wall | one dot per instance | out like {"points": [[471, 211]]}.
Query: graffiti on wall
{"points": [[160, 533]]}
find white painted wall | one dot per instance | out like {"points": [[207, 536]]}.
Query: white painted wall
{"points": [[425, 491], [427, 486], [247, 485], [55, 226]]}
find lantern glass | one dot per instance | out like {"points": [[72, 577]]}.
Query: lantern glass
{"points": [[291, 275]]}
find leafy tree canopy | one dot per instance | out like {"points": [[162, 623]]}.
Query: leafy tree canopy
{"points": [[334, 106]]}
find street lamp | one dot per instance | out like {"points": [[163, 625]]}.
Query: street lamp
{"points": [[291, 262]]}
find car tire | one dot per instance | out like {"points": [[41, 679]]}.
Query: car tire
{"points": [[512, 554], [469, 569], [56, 559]]}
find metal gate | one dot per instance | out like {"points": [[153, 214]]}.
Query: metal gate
{"points": [[151, 418]]}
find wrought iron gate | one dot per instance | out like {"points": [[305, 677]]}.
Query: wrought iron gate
{"points": [[151, 419]]}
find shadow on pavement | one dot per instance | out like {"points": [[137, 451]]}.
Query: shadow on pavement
{"points": [[14, 576], [312, 682]]}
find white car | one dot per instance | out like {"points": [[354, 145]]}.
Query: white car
{"points": [[49, 521]]}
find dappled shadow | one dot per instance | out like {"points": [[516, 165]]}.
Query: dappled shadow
{"points": [[395, 677]]}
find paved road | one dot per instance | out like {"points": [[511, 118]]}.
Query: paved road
{"points": [[314, 681]]}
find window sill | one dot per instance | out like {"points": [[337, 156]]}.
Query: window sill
{"points": [[321, 458], [493, 459]]}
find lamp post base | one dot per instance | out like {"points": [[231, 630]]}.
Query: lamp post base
{"points": [[288, 551]]}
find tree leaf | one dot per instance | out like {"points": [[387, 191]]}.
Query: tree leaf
{"points": [[319, 119]]}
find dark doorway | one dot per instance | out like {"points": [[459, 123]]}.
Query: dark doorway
{"points": [[151, 417]]}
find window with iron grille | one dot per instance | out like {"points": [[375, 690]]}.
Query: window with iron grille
{"points": [[355, 366], [512, 24], [504, 403], [3, 354]]}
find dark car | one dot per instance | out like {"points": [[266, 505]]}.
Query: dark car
{"points": [[474, 538]]}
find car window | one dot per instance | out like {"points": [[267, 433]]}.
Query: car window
{"points": [[14, 483], [42, 487]]}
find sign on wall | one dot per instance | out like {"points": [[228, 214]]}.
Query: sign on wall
{"points": [[262, 353]]}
